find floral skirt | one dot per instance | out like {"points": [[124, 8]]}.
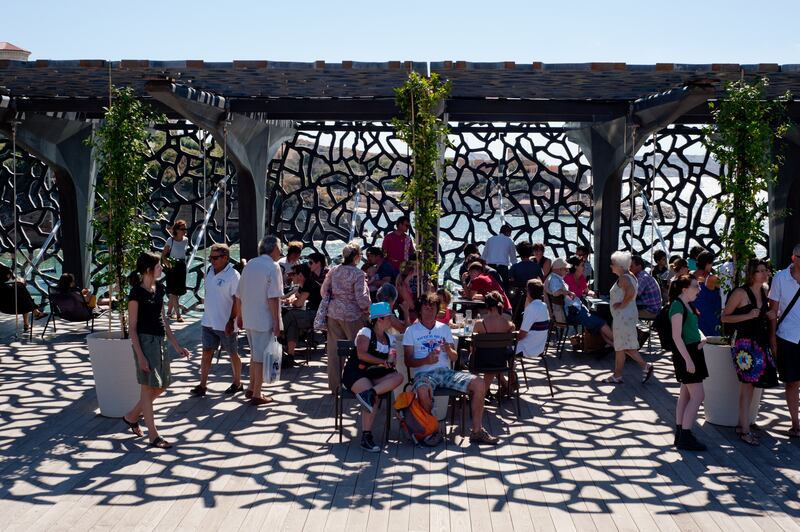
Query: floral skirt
{"points": [[754, 363]]}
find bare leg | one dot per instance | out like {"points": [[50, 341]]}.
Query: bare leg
{"points": [[25, 320], [477, 389], [608, 336], [696, 396], [619, 363], [236, 366], [680, 408], [792, 401], [488, 378], [745, 398], [425, 397], [205, 366], [634, 354], [170, 304], [256, 378], [291, 345], [149, 395]]}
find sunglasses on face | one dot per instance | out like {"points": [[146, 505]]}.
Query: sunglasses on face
{"points": [[215, 257]]}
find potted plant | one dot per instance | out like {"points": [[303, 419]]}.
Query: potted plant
{"points": [[420, 101], [120, 144], [742, 139]]}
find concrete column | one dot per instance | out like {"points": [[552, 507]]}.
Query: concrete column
{"points": [[784, 203]]}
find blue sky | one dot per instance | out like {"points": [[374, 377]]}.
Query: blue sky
{"points": [[556, 31]]}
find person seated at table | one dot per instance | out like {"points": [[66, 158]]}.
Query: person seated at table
{"points": [[371, 372], [469, 250], [574, 310], [480, 283], [24, 303], [388, 294], [293, 251], [678, 266], [428, 350], [380, 271], [648, 291], [319, 266], [66, 284], [303, 307], [583, 252], [446, 299], [532, 336], [660, 270], [524, 270], [493, 320], [576, 278], [486, 268], [538, 257]]}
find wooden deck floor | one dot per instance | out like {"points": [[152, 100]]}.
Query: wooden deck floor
{"points": [[596, 457]]}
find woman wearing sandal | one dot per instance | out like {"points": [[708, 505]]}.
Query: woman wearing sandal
{"points": [[625, 314], [746, 310], [148, 326], [687, 359]]}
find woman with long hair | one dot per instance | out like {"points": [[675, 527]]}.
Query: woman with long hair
{"points": [[148, 327], [688, 359], [494, 320], [174, 253], [746, 310]]}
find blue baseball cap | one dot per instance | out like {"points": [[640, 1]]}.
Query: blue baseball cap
{"points": [[379, 310]]}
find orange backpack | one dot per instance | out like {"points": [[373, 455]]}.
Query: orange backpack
{"points": [[419, 425]]}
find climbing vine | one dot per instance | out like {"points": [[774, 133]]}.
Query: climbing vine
{"points": [[420, 101], [742, 138]]}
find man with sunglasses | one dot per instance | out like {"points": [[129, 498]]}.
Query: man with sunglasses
{"points": [[219, 316]]}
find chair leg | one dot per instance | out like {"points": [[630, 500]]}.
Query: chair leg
{"points": [[388, 401], [519, 408], [547, 373], [46, 324], [341, 417], [464, 404], [524, 371]]}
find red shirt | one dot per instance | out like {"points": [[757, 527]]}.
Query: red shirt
{"points": [[484, 283], [578, 286], [398, 247]]}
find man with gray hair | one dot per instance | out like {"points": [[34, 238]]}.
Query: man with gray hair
{"points": [[220, 309], [260, 290], [785, 343]]}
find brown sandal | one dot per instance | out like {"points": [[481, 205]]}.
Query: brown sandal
{"points": [[135, 428], [161, 443], [749, 438]]}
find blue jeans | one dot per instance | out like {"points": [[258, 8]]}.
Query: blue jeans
{"points": [[588, 320]]}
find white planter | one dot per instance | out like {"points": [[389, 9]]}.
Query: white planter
{"points": [[114, 372], [722, 388]]}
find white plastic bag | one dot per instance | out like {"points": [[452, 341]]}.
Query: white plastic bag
{"points": [[272, 362]]}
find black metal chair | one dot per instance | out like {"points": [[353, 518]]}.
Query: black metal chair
{"points": [[345, 349], [494, 353], [559, 330], [69, 306]]}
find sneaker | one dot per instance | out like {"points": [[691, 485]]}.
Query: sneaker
{"points": [[199, 390], [367, 399], [368, 444], [687, 442], [483, 437], [234, 388]]}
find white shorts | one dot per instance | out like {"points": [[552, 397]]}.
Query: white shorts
{"points": [[259, 342]]}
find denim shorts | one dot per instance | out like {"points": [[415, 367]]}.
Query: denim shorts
{"points": [[444, 378], [213, 339]]}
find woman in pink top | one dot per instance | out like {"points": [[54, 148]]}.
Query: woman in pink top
{"points": [[346, 286], [576, 278]]}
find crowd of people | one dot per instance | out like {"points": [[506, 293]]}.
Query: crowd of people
{"points": [[371, 299]]}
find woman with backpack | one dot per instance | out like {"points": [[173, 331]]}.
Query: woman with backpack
{"points": [[746, 310], [371, 371], [687, 358]]}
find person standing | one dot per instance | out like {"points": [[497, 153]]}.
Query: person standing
{"points": [[709, 300], [219, 317], [746, 309], [625, 314], [148, 327], [688, 359], [398, 245], [319, 266], [500, 253], [346, 286], [260, 290], [523, 271], [785, 333], [174, 253]]}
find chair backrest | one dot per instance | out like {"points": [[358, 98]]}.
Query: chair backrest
{"points": [[492, 351], [69, 306], [345, 349], [555, 304]]}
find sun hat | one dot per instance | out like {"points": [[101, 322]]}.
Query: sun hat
{"points": [[558, 264], [379, 310]]}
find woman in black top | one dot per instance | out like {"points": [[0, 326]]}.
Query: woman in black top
{"points": [[24, 303], [303, 307], [746, 309], [148, 326]]}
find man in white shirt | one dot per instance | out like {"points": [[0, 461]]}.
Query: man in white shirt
{"points": [[786, 333], [428, 352], [260, 290], [535, 322], [500, 253], [219, 315]]}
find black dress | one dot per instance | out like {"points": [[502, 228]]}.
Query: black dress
{"points": [[751, 354]]}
